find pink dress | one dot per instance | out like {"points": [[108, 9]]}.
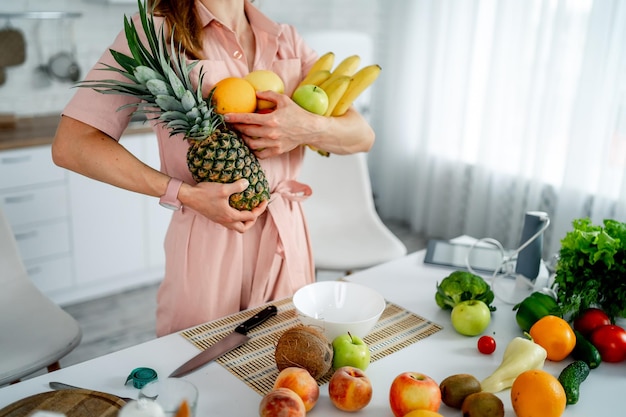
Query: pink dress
{"points": [[211, 271]]}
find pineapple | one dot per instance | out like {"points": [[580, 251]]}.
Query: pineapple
{"points": [[161, 80]]}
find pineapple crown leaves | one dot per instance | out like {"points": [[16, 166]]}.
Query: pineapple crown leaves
{"points": [[160, 80]]}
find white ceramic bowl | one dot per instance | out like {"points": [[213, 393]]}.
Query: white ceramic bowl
{"points": [[338, 307]]}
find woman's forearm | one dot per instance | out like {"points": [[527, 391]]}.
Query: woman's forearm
{"points": [[347, 134], [89, 152]]}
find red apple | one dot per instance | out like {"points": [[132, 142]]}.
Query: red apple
{"points": [[349, 389], [282, 402], [413, 391], [301, 382]]}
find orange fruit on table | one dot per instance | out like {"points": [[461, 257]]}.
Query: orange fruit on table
{"points": [[537, 393], [234, 95], [555, 335]]}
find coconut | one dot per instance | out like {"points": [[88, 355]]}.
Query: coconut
{"points": [[305, 347]]}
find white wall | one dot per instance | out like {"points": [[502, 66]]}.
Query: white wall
{"points": [[24, 93]]}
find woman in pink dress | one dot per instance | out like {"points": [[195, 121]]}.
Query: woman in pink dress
{"points": [[218, 260]]}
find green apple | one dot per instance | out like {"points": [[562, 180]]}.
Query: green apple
{"points": [[349, 350], [471, 317], [312, 98]]}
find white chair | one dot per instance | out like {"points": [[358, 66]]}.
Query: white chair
{"points": [[346, 232], [35, 333]]}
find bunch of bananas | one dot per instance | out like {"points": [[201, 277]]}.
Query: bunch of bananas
{"points": [[343, 84]]}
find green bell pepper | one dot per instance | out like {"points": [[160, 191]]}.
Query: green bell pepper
{"points": [[534, 307]]}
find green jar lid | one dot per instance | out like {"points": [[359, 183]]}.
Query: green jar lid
{"points": [[141, 376]]}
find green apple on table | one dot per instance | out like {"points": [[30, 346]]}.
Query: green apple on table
{"points": [[470, 317], [312, 98], [350, 350]]}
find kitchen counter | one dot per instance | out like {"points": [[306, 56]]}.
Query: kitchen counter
{"points": [[38, 131]]}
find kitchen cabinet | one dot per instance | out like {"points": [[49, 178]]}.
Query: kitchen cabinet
{"points": [[116, 233], [80, 238], [107, 227], [33, 195]]}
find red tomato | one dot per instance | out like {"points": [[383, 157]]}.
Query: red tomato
{"points": [[610, 340], [486, 345], [589, 320]]}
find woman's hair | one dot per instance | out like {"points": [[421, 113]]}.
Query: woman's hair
{"points": [[180, 16]]}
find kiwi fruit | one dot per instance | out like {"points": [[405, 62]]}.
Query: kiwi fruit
{"points": [[482, 404], [455, 388]]}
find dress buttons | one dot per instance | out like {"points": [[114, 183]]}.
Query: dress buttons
{"points": [[237, 54]]}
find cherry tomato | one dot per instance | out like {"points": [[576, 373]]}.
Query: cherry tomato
{"points": [[589, 320], [610, 340], [486, 345]]}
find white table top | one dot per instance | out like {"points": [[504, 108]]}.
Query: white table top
{"points": [[406, 282]]}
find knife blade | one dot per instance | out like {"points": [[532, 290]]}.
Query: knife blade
{"points": [[233, 340]]}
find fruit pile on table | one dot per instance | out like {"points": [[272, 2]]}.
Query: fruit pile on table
{"points": [[585, 340], [573, 322]]}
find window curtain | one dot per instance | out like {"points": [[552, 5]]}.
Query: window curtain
{"points": [[492, 108]]}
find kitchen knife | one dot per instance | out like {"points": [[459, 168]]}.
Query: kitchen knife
{"points": [[235, 339]]}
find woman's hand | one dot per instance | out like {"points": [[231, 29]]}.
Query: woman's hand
{"points": [[279, 131], [211, 200], [289, 126]]}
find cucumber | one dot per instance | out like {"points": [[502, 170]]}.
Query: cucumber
{"points": [[571, 377], [586, 351]]}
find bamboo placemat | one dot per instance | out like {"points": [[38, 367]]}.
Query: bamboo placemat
{"points": [[254, 362]]}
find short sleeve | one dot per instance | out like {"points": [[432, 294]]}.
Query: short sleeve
{"points": [[100, 110]]}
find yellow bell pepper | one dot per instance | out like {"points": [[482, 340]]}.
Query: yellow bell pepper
{"points": [[520, 355]]}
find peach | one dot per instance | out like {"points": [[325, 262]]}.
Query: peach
{"points": [[282, 402], [301, 382], [422, 413], [350, 389], [413, 391]]}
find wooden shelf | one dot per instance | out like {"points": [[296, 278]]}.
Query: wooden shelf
{"points": [[40, 15]]}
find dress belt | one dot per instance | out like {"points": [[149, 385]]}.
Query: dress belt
{"points": [[279, 210]]}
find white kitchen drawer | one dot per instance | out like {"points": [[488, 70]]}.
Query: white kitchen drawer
{"points": [[35, 204], [27, 166], [51, 274], [40, 240]]}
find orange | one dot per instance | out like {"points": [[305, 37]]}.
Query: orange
{"points": [[536, 393], [555, 335], [234, 95]]}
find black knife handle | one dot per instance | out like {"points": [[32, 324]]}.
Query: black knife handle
{"points": [[257, 319]]}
